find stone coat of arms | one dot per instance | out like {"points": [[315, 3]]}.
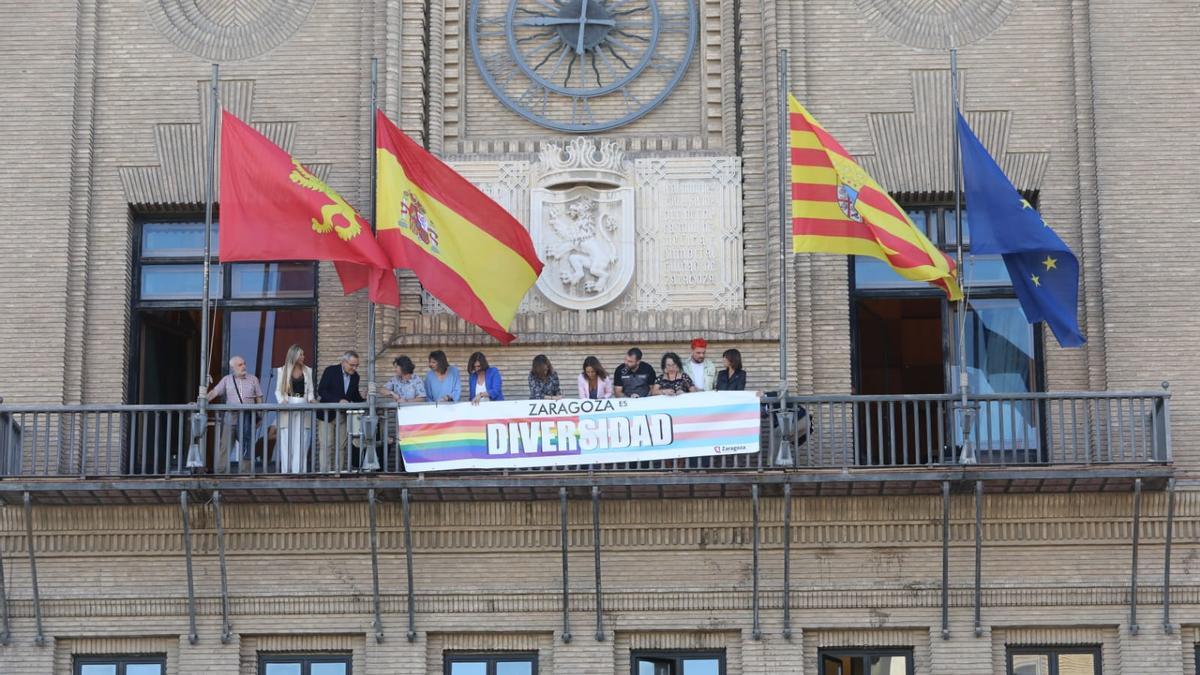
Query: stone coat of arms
{"points": [[582, 222]]}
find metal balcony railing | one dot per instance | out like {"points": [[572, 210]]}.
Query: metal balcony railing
{"points": [[798, 432]]}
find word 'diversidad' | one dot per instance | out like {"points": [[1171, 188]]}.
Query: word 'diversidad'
{"points": [[571, 436]]}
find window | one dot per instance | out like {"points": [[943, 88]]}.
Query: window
{"points": [[905, 342], [290, 664], [491, 663], [866, 662], [120, 665], [260, 309], [678, 663], [1054, 661]]}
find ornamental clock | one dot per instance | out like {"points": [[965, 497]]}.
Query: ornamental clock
{"points": [[582, 65]]}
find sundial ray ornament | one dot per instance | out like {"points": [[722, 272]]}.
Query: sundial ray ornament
{"points": [[583, 65]]}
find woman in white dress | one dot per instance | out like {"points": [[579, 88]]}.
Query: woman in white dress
{"points": [[294, 385]]}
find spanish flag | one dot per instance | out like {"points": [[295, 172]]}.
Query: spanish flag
{"points": [[465, 248], [838, 208]]}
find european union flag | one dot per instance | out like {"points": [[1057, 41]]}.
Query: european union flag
{"points": [[1045, 273]]}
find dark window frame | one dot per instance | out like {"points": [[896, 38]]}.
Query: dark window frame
{"points": [[121, 661], [866, 653], [1054, 651], [305, 660], [678, 656], [490, 659], [223, 302]]}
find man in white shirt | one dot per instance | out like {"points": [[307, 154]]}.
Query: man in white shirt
{"points": [[703, 373]]}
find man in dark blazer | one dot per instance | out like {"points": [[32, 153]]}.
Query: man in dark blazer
{"points": [[339, 384]]}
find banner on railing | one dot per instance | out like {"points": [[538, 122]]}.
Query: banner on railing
{"points": [[514, 434]]}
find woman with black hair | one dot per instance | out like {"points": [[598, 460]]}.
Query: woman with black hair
{"points": [[731, 377]]}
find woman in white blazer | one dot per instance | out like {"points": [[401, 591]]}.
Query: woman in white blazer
{"points": [[294, 385]]}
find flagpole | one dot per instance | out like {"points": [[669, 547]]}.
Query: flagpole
{"points": [[968, 452], [371, 460], [784, 212], [195, 457]]}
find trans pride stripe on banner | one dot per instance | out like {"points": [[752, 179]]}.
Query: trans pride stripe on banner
{"points": [[512, 434]]}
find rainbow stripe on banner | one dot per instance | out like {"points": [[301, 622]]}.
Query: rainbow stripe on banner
{"points": [[512, 434]]}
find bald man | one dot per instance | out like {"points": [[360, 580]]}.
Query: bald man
{"points": [[238, 388]]}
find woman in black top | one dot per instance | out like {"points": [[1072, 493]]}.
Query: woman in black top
{"points": [[731, 377]]}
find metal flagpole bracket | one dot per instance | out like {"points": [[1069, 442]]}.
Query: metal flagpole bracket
{"points": [[756, 627], [1133, 572], [596, 555], [40, 639], [226, 626], [945, 560], [378, 625], [566, 592], [193, 638], [787, 561], [408, 565], [1168, 627]]}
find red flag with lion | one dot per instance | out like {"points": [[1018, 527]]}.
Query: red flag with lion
{"points": [[272, 208]]}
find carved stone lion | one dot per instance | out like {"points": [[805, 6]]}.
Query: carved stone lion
{"points": [[585, 252]]}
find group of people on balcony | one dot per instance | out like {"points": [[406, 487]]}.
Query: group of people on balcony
{"points": [[633, 378], [339, 383]]}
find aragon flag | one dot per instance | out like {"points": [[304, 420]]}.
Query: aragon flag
{"points": [[838, 208], [272, 208], [464, 248]]}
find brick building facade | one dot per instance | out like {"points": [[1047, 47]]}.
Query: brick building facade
{"points": [[1087, 106]]}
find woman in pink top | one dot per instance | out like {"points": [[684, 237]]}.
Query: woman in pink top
{"points": [[593, 381]]}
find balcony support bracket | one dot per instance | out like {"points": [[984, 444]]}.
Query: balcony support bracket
{"points": [[40, 639], [1168, 627], [945, 560], [218, 520], [596, 557], [566, 593], [5, 627], [187, 552], [1133, 574], [378, 623], [787, 561], [408, 565], [756, 629], [978, 558]]}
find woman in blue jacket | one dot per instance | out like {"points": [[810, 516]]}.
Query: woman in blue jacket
{"points": [[485, 380]]}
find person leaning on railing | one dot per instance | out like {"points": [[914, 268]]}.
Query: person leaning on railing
{"points": [[405, 387], [339, 384], [485, 383], [634, 377], [441, 382], [594, 381], [238, 387], [731, 376], [543, 379], [294, 386], [672, 381]]}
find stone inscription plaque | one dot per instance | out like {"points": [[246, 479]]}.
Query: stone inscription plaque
{"points": [[689, 228]]}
